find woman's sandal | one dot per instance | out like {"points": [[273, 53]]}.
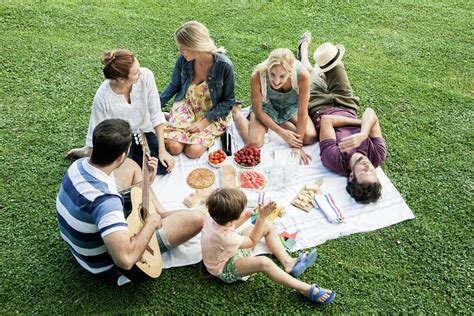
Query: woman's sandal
{"points": [[305, 260], [315, 298], [305, 37]]}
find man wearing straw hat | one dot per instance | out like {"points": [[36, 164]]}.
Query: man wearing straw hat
{"points": [[349, 146]]}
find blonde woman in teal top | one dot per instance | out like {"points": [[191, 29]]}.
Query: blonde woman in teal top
{"points": [[280, 95]]}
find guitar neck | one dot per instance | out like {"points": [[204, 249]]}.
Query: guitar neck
{"points": [[145, 183]]}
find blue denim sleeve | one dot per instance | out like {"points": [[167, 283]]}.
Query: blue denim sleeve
{"points": [[222, 109], [173, 87]]}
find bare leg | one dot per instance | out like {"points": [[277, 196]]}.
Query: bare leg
{"points": [[174, 147], [272, 240], [249, 265], [304, 50], [180, 226], [289, 126], [194, 151], [310, 133], [257, 132], [241, 122]]}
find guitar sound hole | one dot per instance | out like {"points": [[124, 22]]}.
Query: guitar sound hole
{"points": [[143, 214]]}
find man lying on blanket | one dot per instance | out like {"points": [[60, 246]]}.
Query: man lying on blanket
{"points": [[349, 146]]}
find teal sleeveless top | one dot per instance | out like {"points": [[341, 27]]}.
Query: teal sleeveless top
{"points": [[281, 106]]}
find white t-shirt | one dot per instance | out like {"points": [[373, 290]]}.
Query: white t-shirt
{"points": [[143, 112], [218, 244]]}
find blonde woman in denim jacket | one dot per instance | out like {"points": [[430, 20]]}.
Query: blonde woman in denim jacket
{"points": [[203, 85]]}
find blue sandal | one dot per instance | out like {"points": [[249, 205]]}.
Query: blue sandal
{"points": [[305, 260], [315, 298]]}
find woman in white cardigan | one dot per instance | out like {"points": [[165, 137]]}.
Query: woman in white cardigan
{"points": [[129, 92]]}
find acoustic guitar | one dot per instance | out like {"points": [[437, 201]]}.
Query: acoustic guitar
{"points": [[149, 265]]}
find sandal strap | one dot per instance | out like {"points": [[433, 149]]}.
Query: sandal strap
{"points": [[311, 291], [320, 293]]}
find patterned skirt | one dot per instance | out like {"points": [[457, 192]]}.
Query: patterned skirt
{"points": [[194, 106]]}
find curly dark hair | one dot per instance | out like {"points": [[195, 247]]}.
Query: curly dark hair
{"points": [[364, 193]]}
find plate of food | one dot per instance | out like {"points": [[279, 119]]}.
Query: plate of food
{"points": [[201, 178], [250, 179], [303, 200], [216, 158], [247, 157]]}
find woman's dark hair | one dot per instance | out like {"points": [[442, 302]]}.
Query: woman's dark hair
{"points": [[110, 139], [225, 205], [117, 63], [364, 193]]}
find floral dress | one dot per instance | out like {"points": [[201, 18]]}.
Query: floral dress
{"points": [[192, 108]]}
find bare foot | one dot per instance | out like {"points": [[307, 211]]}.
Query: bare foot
{"points": [[77, 153]]}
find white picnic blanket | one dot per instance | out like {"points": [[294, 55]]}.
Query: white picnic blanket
{"points": [[313, 227]]}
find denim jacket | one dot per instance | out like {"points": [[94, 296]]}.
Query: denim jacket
{"points": [[220, 80]]}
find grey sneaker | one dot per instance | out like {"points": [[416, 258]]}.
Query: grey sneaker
{"points": [[306, 37]]}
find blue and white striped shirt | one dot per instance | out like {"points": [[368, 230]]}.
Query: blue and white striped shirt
{"points": [[89, 207]]}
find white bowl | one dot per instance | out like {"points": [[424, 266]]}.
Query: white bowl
{"points": [[216, 165]]}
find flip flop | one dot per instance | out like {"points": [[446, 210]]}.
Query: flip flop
{"points": [[305, 37], [305, 260], [315, 298]]}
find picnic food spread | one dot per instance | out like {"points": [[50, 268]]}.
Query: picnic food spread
{"points": [[247, 157], [250, 179], [228, 177], [304, 197], [216, 158], [201, 178]]}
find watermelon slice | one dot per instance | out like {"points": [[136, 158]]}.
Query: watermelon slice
{"points": [[250, 179]]}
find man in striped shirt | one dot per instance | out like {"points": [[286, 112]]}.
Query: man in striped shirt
{"points": [[90, 209]]}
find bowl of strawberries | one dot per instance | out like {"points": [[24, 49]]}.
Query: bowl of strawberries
{"points": [[247, 157], [216, 158]]}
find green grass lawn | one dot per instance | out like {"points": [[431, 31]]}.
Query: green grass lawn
{"points": [[412, 63]]}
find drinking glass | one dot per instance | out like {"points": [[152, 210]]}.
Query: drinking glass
{"points": [[292, 165]]}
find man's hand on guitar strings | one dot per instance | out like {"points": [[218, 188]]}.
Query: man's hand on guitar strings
{"points": [[152, 163], [154, 219]]}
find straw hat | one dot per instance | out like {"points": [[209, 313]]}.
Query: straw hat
{"points": [[328, 55]]}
